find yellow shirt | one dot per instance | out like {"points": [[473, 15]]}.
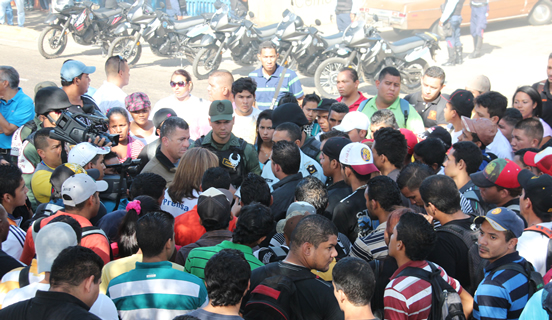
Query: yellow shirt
{"points": [[117, 267], [41, 186]]}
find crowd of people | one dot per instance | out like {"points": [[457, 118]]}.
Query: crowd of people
{"points": [[242, 207]]}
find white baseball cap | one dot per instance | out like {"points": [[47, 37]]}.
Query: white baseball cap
{"points": [[354, 120], [79, 188], [359, 157], [84, 152]]}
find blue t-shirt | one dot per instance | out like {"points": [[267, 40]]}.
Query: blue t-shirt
{"points": [[266, 87], [17, 111]]}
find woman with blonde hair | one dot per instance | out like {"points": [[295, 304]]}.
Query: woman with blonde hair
{"points": [[182, 194]]}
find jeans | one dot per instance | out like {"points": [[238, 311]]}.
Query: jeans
{"points": [[6, 12], [20, 4], [343, 20], [454, 41], [478, 21]]}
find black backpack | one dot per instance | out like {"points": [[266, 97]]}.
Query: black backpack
{"points": [[445, 301], [475, 262], [275, 297], [534, 278]]}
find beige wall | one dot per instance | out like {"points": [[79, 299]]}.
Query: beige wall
{"points": [[270, 11]]}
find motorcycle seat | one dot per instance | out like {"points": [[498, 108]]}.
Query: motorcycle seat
{"points": [[188, 22], [333, 39], [267, 30], [105, 13], [406, 44]]}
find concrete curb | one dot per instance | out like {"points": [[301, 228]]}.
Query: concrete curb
{"points": [[17, 33]]}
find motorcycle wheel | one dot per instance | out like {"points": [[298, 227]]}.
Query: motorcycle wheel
{"points": [[325, 77], [51, 42], [411, 75], [206, 62], [123, 46]]}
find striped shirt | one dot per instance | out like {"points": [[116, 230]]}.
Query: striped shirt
{"points": [[266, 87], [198, 257], [155, 290], [502, 294], [16, 238], [408, 297], [372, 246]]}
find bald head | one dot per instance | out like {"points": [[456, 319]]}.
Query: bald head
{"points": [[220, 85]]}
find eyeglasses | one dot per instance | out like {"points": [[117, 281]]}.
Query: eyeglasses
{"points": [[179, 83], [121, 59]]}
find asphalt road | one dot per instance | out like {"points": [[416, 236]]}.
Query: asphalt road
{"points": [[516, 53]]}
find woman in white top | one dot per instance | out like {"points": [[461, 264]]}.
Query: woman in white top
{"points": [[190, 108], [528, 101], [182, 194], [141, 128]]}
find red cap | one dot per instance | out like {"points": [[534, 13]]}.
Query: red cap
{"points": [[411, 140], [541, 160]]}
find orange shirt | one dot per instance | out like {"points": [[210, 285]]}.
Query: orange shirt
{"points": [[97, 242], [188, 229]]}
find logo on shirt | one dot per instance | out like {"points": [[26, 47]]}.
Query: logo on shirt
{"points": [[496, 211], [311, 169], [365, 154], [432, 115]]}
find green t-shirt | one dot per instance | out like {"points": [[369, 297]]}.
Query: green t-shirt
{"points": [[415, 122]]}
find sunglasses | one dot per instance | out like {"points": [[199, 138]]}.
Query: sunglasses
{"points": [[179, 83]]}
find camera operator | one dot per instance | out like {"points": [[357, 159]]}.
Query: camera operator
{"points": [[75, 81]]}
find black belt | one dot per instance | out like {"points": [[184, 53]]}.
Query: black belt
{"points": [[5, 151]]}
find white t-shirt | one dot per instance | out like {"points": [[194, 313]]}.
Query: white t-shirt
{"points": [[108, 96], [194, 110], [500, 147], [245, 127], [103, 308], [533, 246], [547, 130], [177, 209]]}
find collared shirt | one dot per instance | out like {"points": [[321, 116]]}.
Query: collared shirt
{"points": [[17, 111], [414, 123], [117, 267], [372, 246], [309, 167], [408, 297], [109, 96], [266, 86], [502, 294], [433, 113], [355, 105], [154, 290], [500, 147], [195, 111], [198, 257]]}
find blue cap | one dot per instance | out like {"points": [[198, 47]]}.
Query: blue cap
{"points": [[503, 219], [73, 68]]}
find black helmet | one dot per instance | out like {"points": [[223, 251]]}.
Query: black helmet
{"points": [[50, 99]]}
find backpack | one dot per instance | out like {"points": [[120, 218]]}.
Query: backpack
{"points": [[473, 195], [405, 108], [547, 232], [475, 262], [275, 297], [231, 159], [445, 301], [534, 279]]}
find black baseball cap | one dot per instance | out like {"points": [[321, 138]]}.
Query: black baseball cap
{"points": [[462, 101], [333, 146], [325, 104], [160, 116], [538, 189], [289, 112], [439, 133], [214, 205]]}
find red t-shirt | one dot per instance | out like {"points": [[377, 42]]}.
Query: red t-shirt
{"points": [[188, 229], [97, 242], [355, 105]]}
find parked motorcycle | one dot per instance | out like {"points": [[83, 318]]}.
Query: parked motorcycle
{"points": [[306, 45], [365, 50], [88, 27], [166, 37], [238, 35]]}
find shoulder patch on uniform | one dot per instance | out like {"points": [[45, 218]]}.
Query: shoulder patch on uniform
{"points": [[311, 169]]}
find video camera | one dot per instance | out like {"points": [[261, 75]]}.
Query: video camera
{"points": [[71, 129], [118, 184]]}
